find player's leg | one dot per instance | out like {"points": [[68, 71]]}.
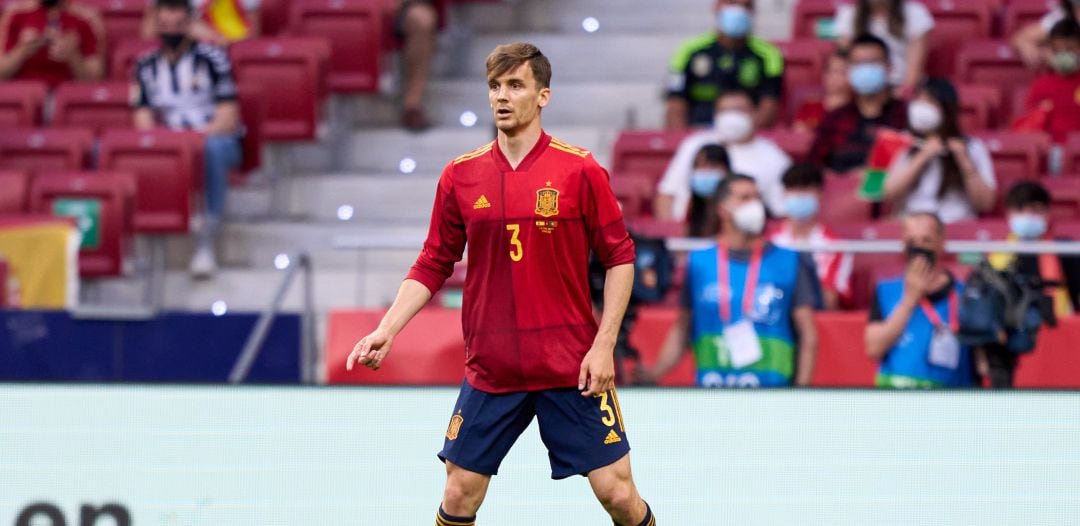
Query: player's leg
{"points": [[482, 429], [587, 436]]}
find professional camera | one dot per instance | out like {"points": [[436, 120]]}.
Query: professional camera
{"points": [[1004, 308]]}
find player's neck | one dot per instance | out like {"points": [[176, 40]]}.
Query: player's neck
{"points": [[517, 144]]}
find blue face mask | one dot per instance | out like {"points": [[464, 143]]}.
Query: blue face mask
{"points": [[1027, 226], [704, 182], [867, 79], [800, 206], [734, 21]]}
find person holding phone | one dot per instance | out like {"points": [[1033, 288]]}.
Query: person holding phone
{"points": [[52, 41]]}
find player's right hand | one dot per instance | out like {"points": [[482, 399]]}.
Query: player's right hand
{"points": [[371, 350]]}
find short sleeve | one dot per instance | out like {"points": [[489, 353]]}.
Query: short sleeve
{"points": [[10, 27], [918, 21], [88, 37], [845, 21], [876, 312], [607, 233], [220, 73], [445, 241], [678, 66], [807, 285], [984, 164]]}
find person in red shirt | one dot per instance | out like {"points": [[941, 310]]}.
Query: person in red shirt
{"points": [[1059, 92], [52, 41], [531, 208]]}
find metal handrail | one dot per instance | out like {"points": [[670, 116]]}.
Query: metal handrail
{"points": [[300, 262]]}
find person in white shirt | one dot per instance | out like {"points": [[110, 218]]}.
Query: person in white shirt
{"points": [[945, 173], [803, 185], [1030, 41], [905, 27], [749, 154]]}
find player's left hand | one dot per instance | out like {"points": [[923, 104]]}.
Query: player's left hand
{"points": [[597, 372]]}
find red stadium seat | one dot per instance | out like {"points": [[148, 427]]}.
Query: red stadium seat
{"points": [[21, 102], [645, 152], [993, 63], [124, 56], [123, 18], [1064, 197], [634, 193], [162, 162], [1019, 13], [981, 230], [273, 16], [253, 113], [1017, 155], [39, 149], [840, 202], [1070, 162], [110, 191], [353, 28], [808, 13], [794, 143], [651, 227], [955, 22], [979, 104], [16, 185], [95, 105], [292, 66], [804, 60]]}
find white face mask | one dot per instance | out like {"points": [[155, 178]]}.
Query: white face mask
{"points": [[923, 117], [733, 125], [749, 217]]}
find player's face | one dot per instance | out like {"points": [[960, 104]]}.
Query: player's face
{"points": [[516, 99]]}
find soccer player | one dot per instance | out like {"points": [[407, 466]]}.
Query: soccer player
{"points": [[531, 208]]}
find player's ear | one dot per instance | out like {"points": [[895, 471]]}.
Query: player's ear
{"points": [[545, 96]]}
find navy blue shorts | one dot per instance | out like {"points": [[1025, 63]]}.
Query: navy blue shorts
{"points": [[581, 434]]}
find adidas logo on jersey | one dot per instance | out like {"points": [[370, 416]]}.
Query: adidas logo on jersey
{"points": [[481, 203], [612, 437]]}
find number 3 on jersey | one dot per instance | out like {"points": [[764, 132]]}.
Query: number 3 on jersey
{"points": [[516, 250]]}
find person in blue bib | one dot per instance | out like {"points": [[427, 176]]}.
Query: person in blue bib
{"points": [[748, 305], [914, 319]]}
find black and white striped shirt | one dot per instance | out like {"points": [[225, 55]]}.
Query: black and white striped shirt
{"points": [[185, 93]]}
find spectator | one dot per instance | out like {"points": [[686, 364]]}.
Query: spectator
{"points": [[1030, 41], [837, 93], [843, 139], [208, 106], [417, 27], [709, 64], [904, 26], [52, 41], [749, 153], [914, 319], [803, 184], [1058, 92], [765, 296], [710, 167], [947, 172], [203, 27]]}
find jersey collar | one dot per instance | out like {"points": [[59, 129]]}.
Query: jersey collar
{"points": [[527, 162]]}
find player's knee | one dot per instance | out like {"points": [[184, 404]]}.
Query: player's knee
{"points": [[461, 499], [420, 18], [619, 499]]}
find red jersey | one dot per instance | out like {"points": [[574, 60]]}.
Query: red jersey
{"points": [[1063, 93], [526, 313], [32, 18]]}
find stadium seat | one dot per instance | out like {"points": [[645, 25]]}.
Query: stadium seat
{"points": [[253, 113], [16, 185], [794, 143], [1019, 13], [38, 149], [95, 105], [163, 164], [1064, 197], [809, 13], [979, 105], [651, 227], [123, 19], [125, 54], [993, 63], [955, 22], [1070, 162], [1017, 155], [21, 102], [293, 67], [803, 61], [979, 230], [840, 201], [1066, 230], [645, 152], [634, 193], [102, 253], [273, 16], [353, 28]]}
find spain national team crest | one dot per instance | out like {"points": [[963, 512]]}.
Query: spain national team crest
{"points": [[455, 426], [547, 201]]}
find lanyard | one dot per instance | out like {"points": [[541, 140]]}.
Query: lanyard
{"points": [[723, 272], [954, 322]]}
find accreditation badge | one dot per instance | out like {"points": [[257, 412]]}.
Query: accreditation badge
{"points": [[944, 349], [742, 343]]}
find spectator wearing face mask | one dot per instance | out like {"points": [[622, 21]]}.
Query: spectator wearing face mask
{"points": [[837, 93], [903, 25], [1058, 91], [1030, 41], [711, 166], [803, 184], [730, 57], [52, 41], [946, 173], [748, 305], [843, 140], [749, 153]]}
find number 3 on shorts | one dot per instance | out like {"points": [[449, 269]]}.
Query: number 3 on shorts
{"points": [[608, 420]]}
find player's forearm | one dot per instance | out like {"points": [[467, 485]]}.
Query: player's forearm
{"points": [[617, 286], [411, 297]]}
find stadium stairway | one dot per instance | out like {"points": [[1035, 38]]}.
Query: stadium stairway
{"points": [[351, 181]]}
